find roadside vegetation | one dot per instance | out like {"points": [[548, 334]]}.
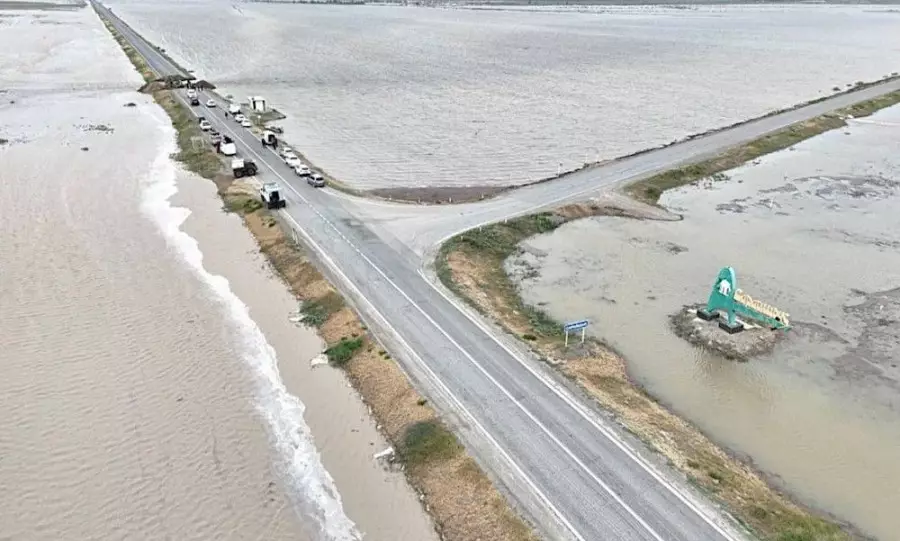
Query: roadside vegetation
{"points": [[649, 190], [460, 498], [471, 265]]}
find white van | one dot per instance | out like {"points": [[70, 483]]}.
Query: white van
{"points": [[234, 108], [227, 149]]}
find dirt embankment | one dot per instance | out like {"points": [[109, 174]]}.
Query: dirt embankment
{"points": [[457, 494], [472, 265], [649, 190]]}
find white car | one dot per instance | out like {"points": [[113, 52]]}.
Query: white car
{"points": [[246, 123], [210, 103], [204, 125], [288, 155], [234, 109], [293, 161], [239, 117], [192, 93], [302, 170]]}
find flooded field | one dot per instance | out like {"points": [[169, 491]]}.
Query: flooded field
{"points": [[392, 96], [153, 386], [811, 230]]}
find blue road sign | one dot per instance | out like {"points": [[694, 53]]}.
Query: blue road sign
{"points": [[575, 325]]}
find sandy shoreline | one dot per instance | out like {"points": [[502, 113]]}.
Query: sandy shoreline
{"points": [[378, 500], [133, 334]]}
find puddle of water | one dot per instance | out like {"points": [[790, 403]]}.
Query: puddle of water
{"points": [[810, 230]]}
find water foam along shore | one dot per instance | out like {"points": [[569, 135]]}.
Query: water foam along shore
{"points": [[453, 489], [382, 502], [52, 50], [311, 486]]}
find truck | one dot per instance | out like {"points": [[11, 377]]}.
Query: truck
{"points": [[268, 139], [243, 168], [270, 194]]}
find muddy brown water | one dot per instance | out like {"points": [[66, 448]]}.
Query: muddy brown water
{"points": [[811, 230], [153, 384], [395, 96]]}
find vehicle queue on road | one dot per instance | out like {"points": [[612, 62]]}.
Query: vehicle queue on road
{"points": [[225, 145]]}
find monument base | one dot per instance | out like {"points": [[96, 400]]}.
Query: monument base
{"points": [[740, 346], [706, 315], [736, 328]]}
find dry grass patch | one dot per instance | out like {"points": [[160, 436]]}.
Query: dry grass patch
{"points": [[462, 501], [460, 498], [472, 266]]}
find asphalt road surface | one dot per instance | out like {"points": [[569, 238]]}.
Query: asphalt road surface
{"points": [[560, 461]]}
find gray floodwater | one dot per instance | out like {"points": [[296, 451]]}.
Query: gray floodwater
{"points": [[811, 230], [391, 96], [142, 398]]}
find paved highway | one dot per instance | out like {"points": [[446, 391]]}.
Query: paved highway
{"points": [[558, 459], [561, 463]]}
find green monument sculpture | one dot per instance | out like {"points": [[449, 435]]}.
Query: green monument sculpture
{"points": [[725, 298]]}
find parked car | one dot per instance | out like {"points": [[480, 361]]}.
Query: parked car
{"points": [[210, 103], [205, 125], [293, 161], [239, 117], [302, 170], [316, 180], [192, 93], [246, 123], [285, 151], [234, 109]]}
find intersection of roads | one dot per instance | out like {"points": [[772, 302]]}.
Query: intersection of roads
{"points": [[560, 461]]}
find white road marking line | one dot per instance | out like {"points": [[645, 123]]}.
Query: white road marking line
{"points": [[478, 365], [581, 411], [537, 491], [335, 268]]}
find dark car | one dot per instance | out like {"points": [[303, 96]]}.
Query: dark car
{"points": [[195, 102], [316, 180]]}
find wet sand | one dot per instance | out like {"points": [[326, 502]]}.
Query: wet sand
{"points": [[142, 397], [810, 230], [379, 501]]}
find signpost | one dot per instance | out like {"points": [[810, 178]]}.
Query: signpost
{"points": [[575, 326]]}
